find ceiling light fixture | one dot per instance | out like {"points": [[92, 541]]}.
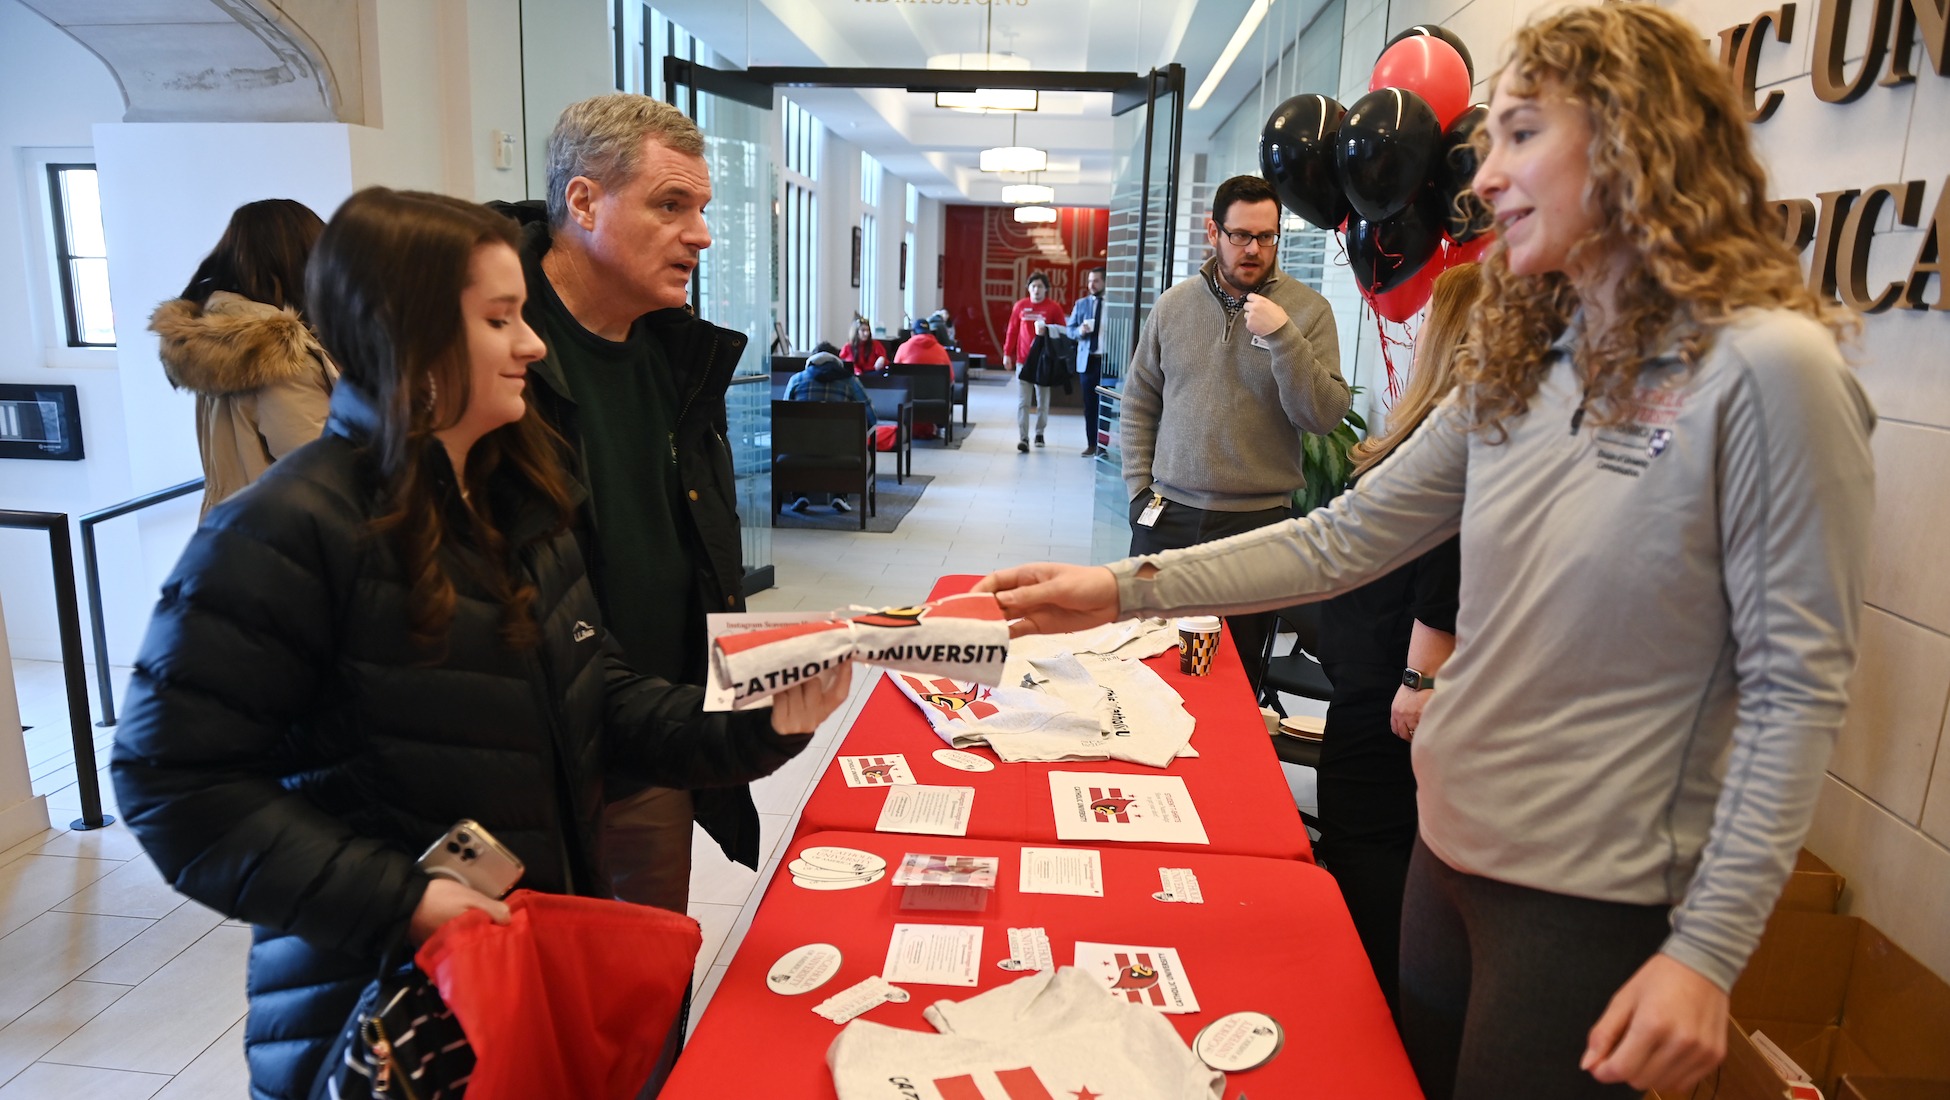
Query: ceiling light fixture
{"points": [[1033, 215], [1014, 157], [1028, 192], [985, 61], [990, 99], [1231, 53]]}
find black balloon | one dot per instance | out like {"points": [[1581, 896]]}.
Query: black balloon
{"points": [[1384, 252], [1296, 156], [1465, 216], [1388, 144], [1444, 33]]}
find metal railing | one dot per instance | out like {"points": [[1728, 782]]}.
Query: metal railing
{"points": [[93, 568], [61, 551]]}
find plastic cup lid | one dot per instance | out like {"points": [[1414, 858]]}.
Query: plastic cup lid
{"points": [[1199, 624]]}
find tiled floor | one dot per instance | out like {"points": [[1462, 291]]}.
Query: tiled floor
{"points": [[114, 987]]}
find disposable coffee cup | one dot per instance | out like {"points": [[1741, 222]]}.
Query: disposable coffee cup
{"points": [[1040, 326], [1198, 641]]}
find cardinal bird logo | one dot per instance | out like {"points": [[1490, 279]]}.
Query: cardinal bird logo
{"points": [[877, 773], [1112, 807], [1136, 977], [945, 695], [893, 616]]}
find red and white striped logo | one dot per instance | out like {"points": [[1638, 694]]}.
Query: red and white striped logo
{"points": [[1016, 1084], [877, 770]]}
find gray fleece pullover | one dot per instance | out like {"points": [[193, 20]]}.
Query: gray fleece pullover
{"points": [[1212, 415], [1657, 625]]}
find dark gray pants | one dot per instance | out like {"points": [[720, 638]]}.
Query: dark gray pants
{"points": [[1182, 525], [1501, 984]]}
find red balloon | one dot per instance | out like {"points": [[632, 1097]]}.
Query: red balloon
{"points": [[1407, 300], [1453, 253], [1429, 67]]}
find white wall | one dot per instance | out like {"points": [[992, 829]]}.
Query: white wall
{"points": [[567, 56], [54, 91], [167, 192], [443, 75], [839, 211]]}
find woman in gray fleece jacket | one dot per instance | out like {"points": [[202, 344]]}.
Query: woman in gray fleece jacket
{"points": [[1659, 467]]}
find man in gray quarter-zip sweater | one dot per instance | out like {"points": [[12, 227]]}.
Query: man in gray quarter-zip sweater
{"points": [[1231, 369]]}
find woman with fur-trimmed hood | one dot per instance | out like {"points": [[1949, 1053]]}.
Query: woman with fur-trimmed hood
{"points": [[237, 338]]}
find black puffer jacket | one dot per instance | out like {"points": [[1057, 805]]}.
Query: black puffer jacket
{"points": [[702, 358], [286, 754]]}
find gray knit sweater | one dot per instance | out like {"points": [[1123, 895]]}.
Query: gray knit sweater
{"points": [[1212, 416]]}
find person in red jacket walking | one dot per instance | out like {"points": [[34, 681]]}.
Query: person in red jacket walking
{"points": [[1027, 321]]}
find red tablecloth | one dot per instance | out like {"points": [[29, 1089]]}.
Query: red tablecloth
{"points": [[1235, 782], [1272, 936]]}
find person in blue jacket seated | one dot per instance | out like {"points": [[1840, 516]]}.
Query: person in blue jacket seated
{"points": [[826, 377]]}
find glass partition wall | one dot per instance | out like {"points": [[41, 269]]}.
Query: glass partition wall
{"points": [[733, 287], [1143, 258]]}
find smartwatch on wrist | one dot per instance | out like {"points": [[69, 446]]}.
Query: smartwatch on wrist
{"points": [[1415, 681]]}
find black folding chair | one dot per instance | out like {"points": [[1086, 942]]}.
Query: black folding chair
{"points": [[822, 446]]}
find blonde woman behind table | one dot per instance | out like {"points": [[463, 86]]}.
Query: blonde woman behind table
{"points": [[1669, 488]]}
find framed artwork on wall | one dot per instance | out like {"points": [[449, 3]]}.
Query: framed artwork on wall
{"points": [[903, 285], [856, 255]]}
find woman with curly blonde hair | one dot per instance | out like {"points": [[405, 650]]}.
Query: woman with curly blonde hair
{"points": [[1659, 467]]}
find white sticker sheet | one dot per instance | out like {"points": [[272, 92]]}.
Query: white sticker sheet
{"points": [[861, 996], [1179, 884], [1102, 806], [934, 954], [1075, 871], [919, 808], [1029, 949]]}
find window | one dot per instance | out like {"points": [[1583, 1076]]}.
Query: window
{"points": [[81, 255], [661, 38], [869, 180], [907, 274], [801, 299], [869, 267], [799, 286], [907, 250], [802, 141]]}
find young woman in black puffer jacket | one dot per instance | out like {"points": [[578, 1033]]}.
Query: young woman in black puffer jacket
{"points": [[391, 631]]}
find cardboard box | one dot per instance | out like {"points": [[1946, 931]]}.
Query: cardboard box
{"points": [[1842, 1001], [1813, 886]]}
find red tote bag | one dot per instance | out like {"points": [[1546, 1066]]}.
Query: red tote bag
{"points": [[572, 997]]}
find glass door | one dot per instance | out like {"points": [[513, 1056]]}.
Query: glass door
{"points": [[1140, 263], [734, 287]]}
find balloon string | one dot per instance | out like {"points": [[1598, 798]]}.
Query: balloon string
{"points": [[1388, 344]]}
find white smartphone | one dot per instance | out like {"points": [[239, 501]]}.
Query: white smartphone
{"points": [[471, 856]]}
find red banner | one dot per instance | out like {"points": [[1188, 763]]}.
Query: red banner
{"points": [[990, 257]]}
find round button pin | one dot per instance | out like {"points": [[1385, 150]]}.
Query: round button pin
{"points": [[1241, 1041]]}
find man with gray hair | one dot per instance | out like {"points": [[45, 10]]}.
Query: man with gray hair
{"points": [[636, 384]]}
